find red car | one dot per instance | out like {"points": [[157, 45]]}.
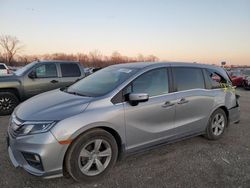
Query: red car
{"points": [[237, 78]]}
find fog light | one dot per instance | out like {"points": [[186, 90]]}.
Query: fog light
{"points": [[37, 158], [33, 160]]}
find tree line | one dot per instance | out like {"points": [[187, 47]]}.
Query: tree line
{"points": [[11, 48]]}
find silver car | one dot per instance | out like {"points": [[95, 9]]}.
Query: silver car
{"points": [[83, 129]]}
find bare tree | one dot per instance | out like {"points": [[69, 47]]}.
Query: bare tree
{"points": [[11, 46], [95, 55], [1, 57], [140, 58], [152, 58], [91, 59], [116, 57]]}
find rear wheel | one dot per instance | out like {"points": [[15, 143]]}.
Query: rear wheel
{"points": [[91, 155], [8, 102], [217, 124]]}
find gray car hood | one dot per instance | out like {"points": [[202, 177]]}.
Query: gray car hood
{"points": [[11, 77], [52, 105]]}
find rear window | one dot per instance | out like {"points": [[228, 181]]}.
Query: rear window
{"points": [[2, 67], [188, 78], [215, 80], [70, 70]]}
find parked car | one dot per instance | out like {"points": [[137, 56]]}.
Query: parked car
{"points": [[88, 71], [122, 109], [237, 77], [35, 78], [13, 69], [4, 70], [246, 81], [91, 70]]}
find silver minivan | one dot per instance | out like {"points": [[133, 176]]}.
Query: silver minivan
{"points": [[83, 129]]}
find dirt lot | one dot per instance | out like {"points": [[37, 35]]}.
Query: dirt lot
{"points": [[194, 162]]}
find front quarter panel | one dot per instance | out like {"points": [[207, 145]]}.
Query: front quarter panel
{"points": [[97, 114]]}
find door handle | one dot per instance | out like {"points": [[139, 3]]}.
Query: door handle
{"points": [[54, 81], [167, 104], [183, 101]]}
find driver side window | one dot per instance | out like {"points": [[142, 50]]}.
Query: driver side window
{"points": [[46, 71], [154, 82]]}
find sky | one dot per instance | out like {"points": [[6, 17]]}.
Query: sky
{"points": [[206, 31]]}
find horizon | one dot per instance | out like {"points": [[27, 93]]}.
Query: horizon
{"points": [[206, 32]]}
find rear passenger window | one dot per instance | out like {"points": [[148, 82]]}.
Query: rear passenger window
{"points": [[188, 78], [70, 70], [153, 83]]}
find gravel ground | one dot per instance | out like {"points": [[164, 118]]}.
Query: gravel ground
{"points": [[194, 162]]}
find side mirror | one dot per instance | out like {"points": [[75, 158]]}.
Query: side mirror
{"points": [[32, 75], [135, 98]]}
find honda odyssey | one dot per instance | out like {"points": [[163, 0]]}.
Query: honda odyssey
{"points": [[82, 130]]}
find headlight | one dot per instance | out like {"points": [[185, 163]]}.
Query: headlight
{"points": [[35, 127]]}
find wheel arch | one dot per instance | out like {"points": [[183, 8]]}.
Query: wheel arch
{"points": [[224, 108], [117, 137], [11, 90], [110, 130]]}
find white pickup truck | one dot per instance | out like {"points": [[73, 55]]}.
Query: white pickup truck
{"points": [[4, 70]]}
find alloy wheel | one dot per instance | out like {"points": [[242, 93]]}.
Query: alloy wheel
{"points": [[218, 124], [6, 103], [94, 157]]}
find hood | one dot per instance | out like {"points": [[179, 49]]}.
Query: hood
{"points": [[52, 105], [11, 77]]}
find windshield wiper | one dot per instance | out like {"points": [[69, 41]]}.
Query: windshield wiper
{"points": [[65, 89], [75, 93]]}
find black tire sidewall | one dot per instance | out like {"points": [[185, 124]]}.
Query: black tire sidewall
{"points": [[12, 97], [75, 149], [209, 132]]}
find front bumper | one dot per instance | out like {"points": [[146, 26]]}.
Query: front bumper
{"points": [[45, 146]]}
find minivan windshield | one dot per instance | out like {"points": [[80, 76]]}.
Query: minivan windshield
{"points": [[22, 70], [101, 82]]}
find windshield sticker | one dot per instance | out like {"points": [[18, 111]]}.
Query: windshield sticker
{"points": [[125, 70]]}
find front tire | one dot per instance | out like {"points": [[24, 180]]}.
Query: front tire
{"points": [[216, 125], [8, 102], [91, 155]]}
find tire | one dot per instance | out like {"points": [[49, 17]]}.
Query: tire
{"points": [[245, 86], [8, 102], [91, 157], [216, 125]]}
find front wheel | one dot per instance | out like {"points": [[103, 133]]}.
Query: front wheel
{"points": [[91, 155], [8, 102], [216, 125]]}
